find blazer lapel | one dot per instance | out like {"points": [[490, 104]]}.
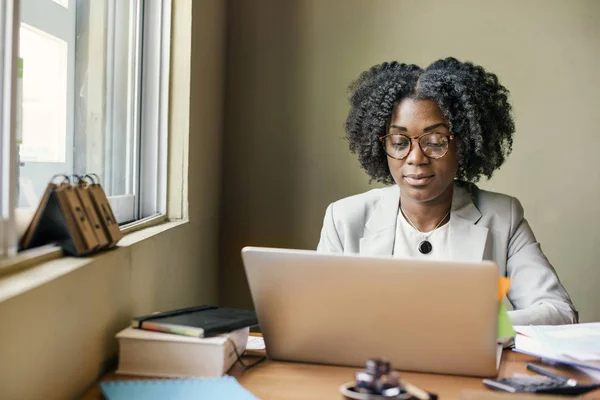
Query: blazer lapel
{"points": [[467, 241], [380, 229]]}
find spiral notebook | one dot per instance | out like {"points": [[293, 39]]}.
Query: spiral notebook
{"points": [[226, 387]]}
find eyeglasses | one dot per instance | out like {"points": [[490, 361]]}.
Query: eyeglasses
{"points": [[433, 145]]}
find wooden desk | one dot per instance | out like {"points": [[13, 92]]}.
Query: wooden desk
{"points": [[286, 380]]}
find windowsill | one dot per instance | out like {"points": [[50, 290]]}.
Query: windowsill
{"points": [[31, 258], [38, 266]]}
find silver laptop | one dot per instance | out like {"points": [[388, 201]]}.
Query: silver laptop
{"points": [[426, 316]]}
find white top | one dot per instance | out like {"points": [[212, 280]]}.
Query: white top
{"points": [[406, 243]]}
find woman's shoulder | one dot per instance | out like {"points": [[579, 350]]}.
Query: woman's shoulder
{"points": [[491, 201]]}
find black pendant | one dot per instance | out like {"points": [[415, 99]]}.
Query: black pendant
{"points": [[425, 247]]}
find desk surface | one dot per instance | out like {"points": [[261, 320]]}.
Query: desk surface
{"points": [[286, 380]]}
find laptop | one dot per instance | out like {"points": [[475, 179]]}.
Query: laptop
{"points": [[340, 309]]}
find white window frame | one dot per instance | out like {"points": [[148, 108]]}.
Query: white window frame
{"points": [[9, 50], [124, 100], [155, 108], [146, 100]]}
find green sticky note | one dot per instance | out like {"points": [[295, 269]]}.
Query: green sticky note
{"points": [[505, 328]]}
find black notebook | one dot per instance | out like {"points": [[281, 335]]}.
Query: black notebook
{"points": [[201, 321]]}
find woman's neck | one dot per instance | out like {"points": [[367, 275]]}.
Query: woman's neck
{"points": [[427, 215]]}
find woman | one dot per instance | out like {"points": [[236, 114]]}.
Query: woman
{"points": [[432, 133]]}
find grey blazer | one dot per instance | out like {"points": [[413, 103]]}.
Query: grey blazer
{"points": [[483, 226]]}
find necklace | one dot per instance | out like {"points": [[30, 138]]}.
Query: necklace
{"points": [[425, 246]]}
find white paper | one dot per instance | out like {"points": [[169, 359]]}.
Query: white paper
{"points": [[529, 345], [527, 330], [255, 343], [580, 341]]}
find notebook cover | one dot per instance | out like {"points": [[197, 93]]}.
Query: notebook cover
{"points": [[213, 320], [226, 387]]}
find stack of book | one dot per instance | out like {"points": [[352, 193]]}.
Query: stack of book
{"points": [[148, 353], [193, 342]]}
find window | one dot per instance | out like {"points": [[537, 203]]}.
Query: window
{"points": [[92, 98]]}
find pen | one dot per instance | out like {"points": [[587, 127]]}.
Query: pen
{"points": [[550, 374]]}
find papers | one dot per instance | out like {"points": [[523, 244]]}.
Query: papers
{"points": [[255, 343], [573, 345], [578, 341]]}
